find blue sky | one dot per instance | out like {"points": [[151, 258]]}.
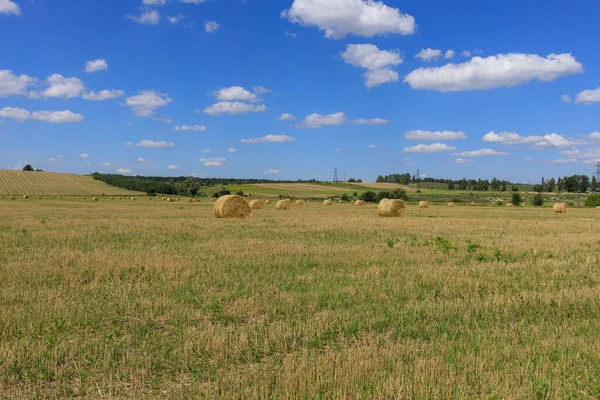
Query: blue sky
{"points": [[290, 89]]}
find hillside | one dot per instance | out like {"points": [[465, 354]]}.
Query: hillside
{"points": [[53, 183]]}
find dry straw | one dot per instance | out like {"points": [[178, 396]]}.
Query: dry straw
{"points": [[299, 202], [283, 205], [391, 208], [231, 206], [424, 204], [451, 204], [39, 197], [360, 203], [328, 202], [257, 205], [510, 205], [268, 202], [133, 199], [25, 197], [560, 208], [340, 201], [12, 197], [95, 199]]}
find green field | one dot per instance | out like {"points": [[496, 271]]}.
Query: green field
{"points": [[149, 299]]}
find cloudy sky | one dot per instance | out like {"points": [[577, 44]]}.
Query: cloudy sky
{"points": [[290, 89]]}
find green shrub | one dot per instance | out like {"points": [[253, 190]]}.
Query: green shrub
{"points": [[538, 200], [369, 197], [516, 199], [399, 194], [593, 200], [344, 197]]}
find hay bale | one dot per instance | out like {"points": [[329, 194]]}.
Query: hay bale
{"points": [[283, 205], [149, 198], [95, 199], [256, 205], [328, 202], [560, 208], [12, 197], [340, 201], [299, 202], [133, 199], [231, 206], [25, 197], [268, 202], [360, 203], [39, 197], [164, 199], [451, 204], [424, 204], [391, 208], [510, 205]]}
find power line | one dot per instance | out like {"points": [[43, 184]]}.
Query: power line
{"points": [[335, 174]]}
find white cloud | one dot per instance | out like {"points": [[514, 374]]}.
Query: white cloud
{"points": [[588, 96], [146, 17], [213, 162], [96, 65], [429, 148], [271, 172], [107, 164], [493, 72], [193, 1], [372, 146], [438, 135], [9, 7], [175, 18], [128, 144], [55, 117], [231, 150], [429, 54], [449, 54], [466, 53], [589, 156], [316, 121], [64, 88], [142, 160], [566, 98], [154, 2], [153, 144], [286, 117], [339, 18], [269, 139], [480, 153], [553, 140], [174, 167], [199, 128], [260, 90], [211, 27], [13, 85], [291, 34], [463, 160], [84, 155], [146, 103], [377, 62], [207, 150], [233, 108], [103, 95], [594, 136], [372, 121], [528, 159], [123, 171], [339, 150], [235, 93]]}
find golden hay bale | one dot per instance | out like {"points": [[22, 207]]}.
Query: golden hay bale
{"points": [[560, 208], [12, 197], [283, 205], [164, 199], [391, 208], [328, 202], [300, 202], [256, 205], [451, 204], [95, 199], [39, 197], [424, 204], [340, 201], [231, 206], [25, 197], [133, 199], [510, 205], [268, 202], [112, 198], [360, 203], [149, 198]]}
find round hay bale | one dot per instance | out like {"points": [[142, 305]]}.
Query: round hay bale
{"points": [[112, 198], [473, 203], [133, 199], [560, 208], [268, 202], [12, 197], [391, 208], [451, 204], [424, 204], [95, 199], [299, 202], [340, 201], [25, 197], [360, 203], [308, 201], [149, 198], [256, 205], [283, 205], [328, 202], [510, 205], [231, 206], [39, 197]]}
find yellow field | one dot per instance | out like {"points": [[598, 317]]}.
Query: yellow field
{"points": [[52, 183], [148, 299]]}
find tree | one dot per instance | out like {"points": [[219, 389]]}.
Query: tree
{"points": [[399, 194], [369, 197], [344, 197], [550, 185], [515, 188], [28, 168], [516, 199], [538, 200], [593, 200], [450, 185], [594, 184], [538, 188]]}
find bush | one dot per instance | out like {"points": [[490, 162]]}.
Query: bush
{"points": [[538, 200], [399, 194], [220, 193], [240, 193], [516, 199], [344, 197], [593, 200], [369, 197], [383, 195]]}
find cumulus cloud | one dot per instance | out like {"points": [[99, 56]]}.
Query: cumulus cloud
{"points": [[128, 144], [480, 153], [553, 140], [55, 117], [213, 162], [372, 146], [123, 171], [493, 72], [200, 128], [207, 150], [175, 18], [449, 54], [463, 160], [103, 95], [63, 88], [429, 54], [174, 167], [153, 144], [438, 135], [147, 102], [286, 117], [269, 139], [233, 108], [211, 27], [142, 160], [84, 155], [429, 148], [9, 7], [339, 18], [260, 90], [594, 136], [146, 17], [96, 65], [589, 156], [291, 34], [316, 121], [378, 63], [372, 121], [231, 150], [566, 98], [154, 2], [588, 97], [271, 172], [235, 93], [14, 85]]}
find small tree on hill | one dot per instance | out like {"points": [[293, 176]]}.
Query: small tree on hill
{"points": [[593, 200], [538, 200], [28, 168], [516, 199]]}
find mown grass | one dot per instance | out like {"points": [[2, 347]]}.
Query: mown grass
{"points": [[150, 299]]}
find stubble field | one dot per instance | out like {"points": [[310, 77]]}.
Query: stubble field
{"points": [[147, 299]]}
